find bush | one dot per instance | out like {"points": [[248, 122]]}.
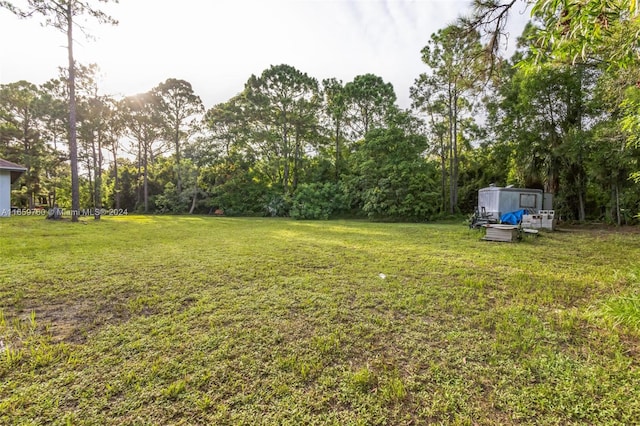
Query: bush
{"points": [[170, 201], [317, 201], [278, 206], [241, 195], [392, 180]]}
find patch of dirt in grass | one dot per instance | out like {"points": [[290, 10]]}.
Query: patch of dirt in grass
{"points": [[632, 344], [73, 322]]}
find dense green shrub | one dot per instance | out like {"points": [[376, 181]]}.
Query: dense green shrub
{"points": [[170, 201], [241, 195], [392, 179], [277, 205], [317, 201]]}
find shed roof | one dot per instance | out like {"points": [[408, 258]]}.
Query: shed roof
{"points": [[15, 169], [510, 189]]}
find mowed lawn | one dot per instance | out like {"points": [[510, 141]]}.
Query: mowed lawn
{"points": [[203, 320]]}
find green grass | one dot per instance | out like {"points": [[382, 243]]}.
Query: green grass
{"points": [[194, 320]]}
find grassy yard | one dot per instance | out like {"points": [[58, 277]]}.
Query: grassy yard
{"points": [[194, 320]]}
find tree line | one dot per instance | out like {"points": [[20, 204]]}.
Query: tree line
{"points": [[289, 144]]}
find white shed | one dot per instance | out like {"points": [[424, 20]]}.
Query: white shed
{"points": [[495, 201], [9, 173]]}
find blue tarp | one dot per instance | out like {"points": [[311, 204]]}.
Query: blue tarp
{"points": [[512, 218]]}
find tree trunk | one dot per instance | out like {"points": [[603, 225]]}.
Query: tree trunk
{"points": [[116, 182], [296, 160], [451, 154], [53, 202], [94, 159], [145, 184], [195, 194], [443, 174], [581, 207], [337, 150], [618, 215], [582, 176], [456, 157], [98, 180], [27, 156], [366, 122], [138, 188], [73, 147], [90, 179], [179, 178], [285, 177], [442, 153]]}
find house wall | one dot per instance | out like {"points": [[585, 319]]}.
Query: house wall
{"points": [[5, 193]]}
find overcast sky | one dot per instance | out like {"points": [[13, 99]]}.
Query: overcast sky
{"points": [[217, 44]]}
